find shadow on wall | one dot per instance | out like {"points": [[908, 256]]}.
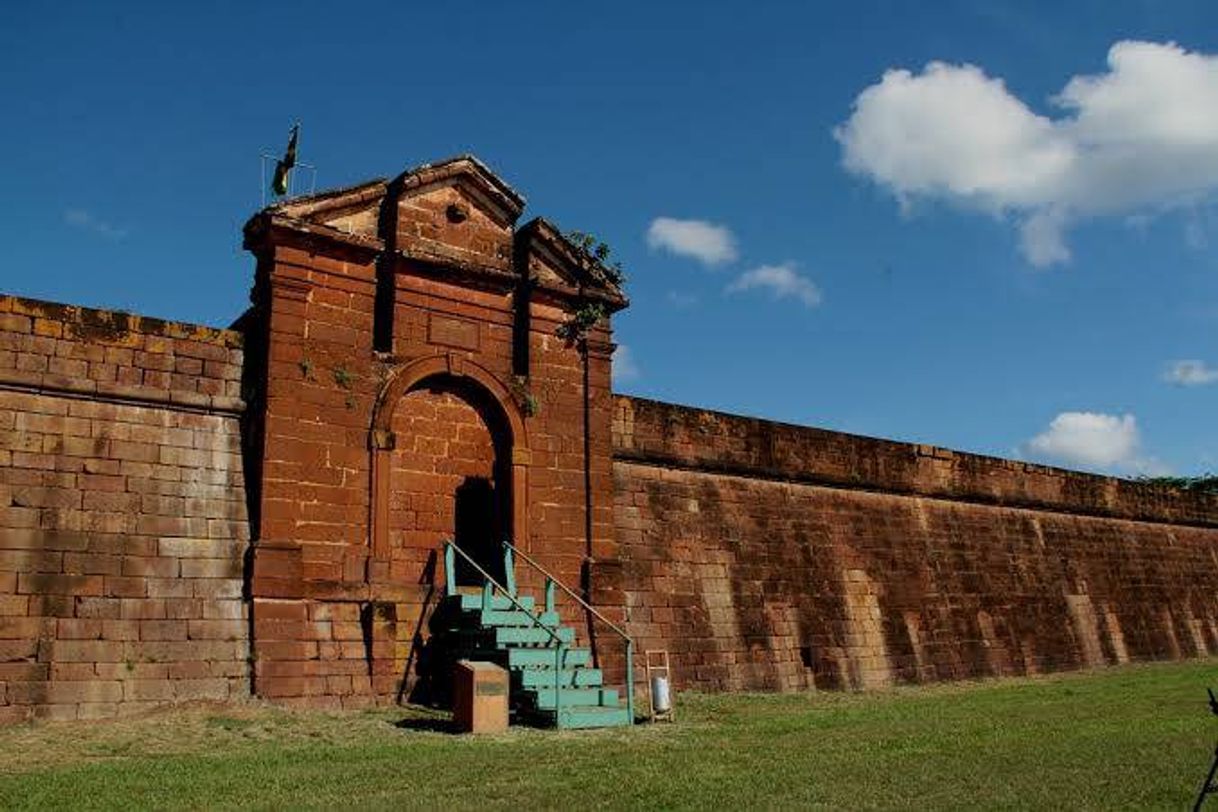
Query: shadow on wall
{"points": [[253, 391], [477, 528]]}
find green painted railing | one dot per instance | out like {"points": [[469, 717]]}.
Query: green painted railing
{"points": [[509, 561], [489, 585]]}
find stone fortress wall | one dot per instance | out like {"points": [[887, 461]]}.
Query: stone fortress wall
{"points": [[123, 523], [775, 557], [193, 513]]}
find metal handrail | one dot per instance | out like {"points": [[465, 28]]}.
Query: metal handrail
{"points": [[512, 551], [536, 620], [559, 649], [515, 550]]}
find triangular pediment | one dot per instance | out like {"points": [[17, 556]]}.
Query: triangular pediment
{"points": [[472, 179], [451, 214], [559, 267], [350, 210], [454, 211]]}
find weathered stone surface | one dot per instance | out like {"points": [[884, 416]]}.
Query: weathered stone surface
{"points": [[767, 556], [121, 470], [407, 384]]}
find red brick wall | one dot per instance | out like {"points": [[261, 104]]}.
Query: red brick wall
{"points": [[338, 623], [122, 513], [314, 537], [762, 555], [314, 316], [767, 556], [444, 442]]}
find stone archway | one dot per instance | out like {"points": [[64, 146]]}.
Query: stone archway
{"points": [[455, 380]]}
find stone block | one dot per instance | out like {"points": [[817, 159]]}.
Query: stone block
{"points": [[480, 697]]}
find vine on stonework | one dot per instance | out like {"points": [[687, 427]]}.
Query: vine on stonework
{"points": [[346, 379], [598, 252], [582, 319], [343, 377], [524, 396]]}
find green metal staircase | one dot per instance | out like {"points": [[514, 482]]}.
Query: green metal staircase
{"points": [[553, 682]]}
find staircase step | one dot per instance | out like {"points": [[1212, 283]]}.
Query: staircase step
{"points": [[543, 698], [523, 636], [542, 659], [571, 677], [514, 633], [589, 717], [514, 617], [500, 602]]}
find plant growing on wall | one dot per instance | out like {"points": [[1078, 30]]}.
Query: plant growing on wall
{"points": [[524, 396], [343, 377], [581, 321], [598, 252]]}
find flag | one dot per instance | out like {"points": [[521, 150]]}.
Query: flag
{"points": [[285, 164]]}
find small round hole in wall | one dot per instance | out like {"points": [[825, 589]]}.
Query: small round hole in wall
{"points": [[457, 213]]}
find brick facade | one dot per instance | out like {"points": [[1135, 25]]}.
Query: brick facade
{"points": [[776, 557], [196, 513], [122, 513], [413, 371]]}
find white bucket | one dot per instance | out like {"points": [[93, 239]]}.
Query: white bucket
{"points": [[661, 700]]}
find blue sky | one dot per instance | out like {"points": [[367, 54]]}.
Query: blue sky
{"points": [[990, 258]]}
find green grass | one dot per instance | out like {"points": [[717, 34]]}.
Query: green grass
{"points": [[1136, 737]]}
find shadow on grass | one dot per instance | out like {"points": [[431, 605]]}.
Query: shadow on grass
{"points": [[426, 724]]}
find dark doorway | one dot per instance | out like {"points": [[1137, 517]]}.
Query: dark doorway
{"points": [[478, 530]]}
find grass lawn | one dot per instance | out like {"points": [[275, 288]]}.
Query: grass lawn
{"points": [[1134, 737]]}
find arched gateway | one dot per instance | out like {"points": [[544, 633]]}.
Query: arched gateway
{"points": [[416, 390], [464, 452], [414, 368]]}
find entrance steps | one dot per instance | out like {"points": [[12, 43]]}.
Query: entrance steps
{"points": [[553, 682]]}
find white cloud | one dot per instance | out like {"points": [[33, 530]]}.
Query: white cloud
{"points": [[86, 221], [1190, 373], [1041, 238], [624, 366], [706, 242], [1141, 136], [781, 280], [1091, 440], [681, 300]]}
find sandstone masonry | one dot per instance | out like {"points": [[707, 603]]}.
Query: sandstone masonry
{"points": [[775, 557], [190, 513], [123, 520]]}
